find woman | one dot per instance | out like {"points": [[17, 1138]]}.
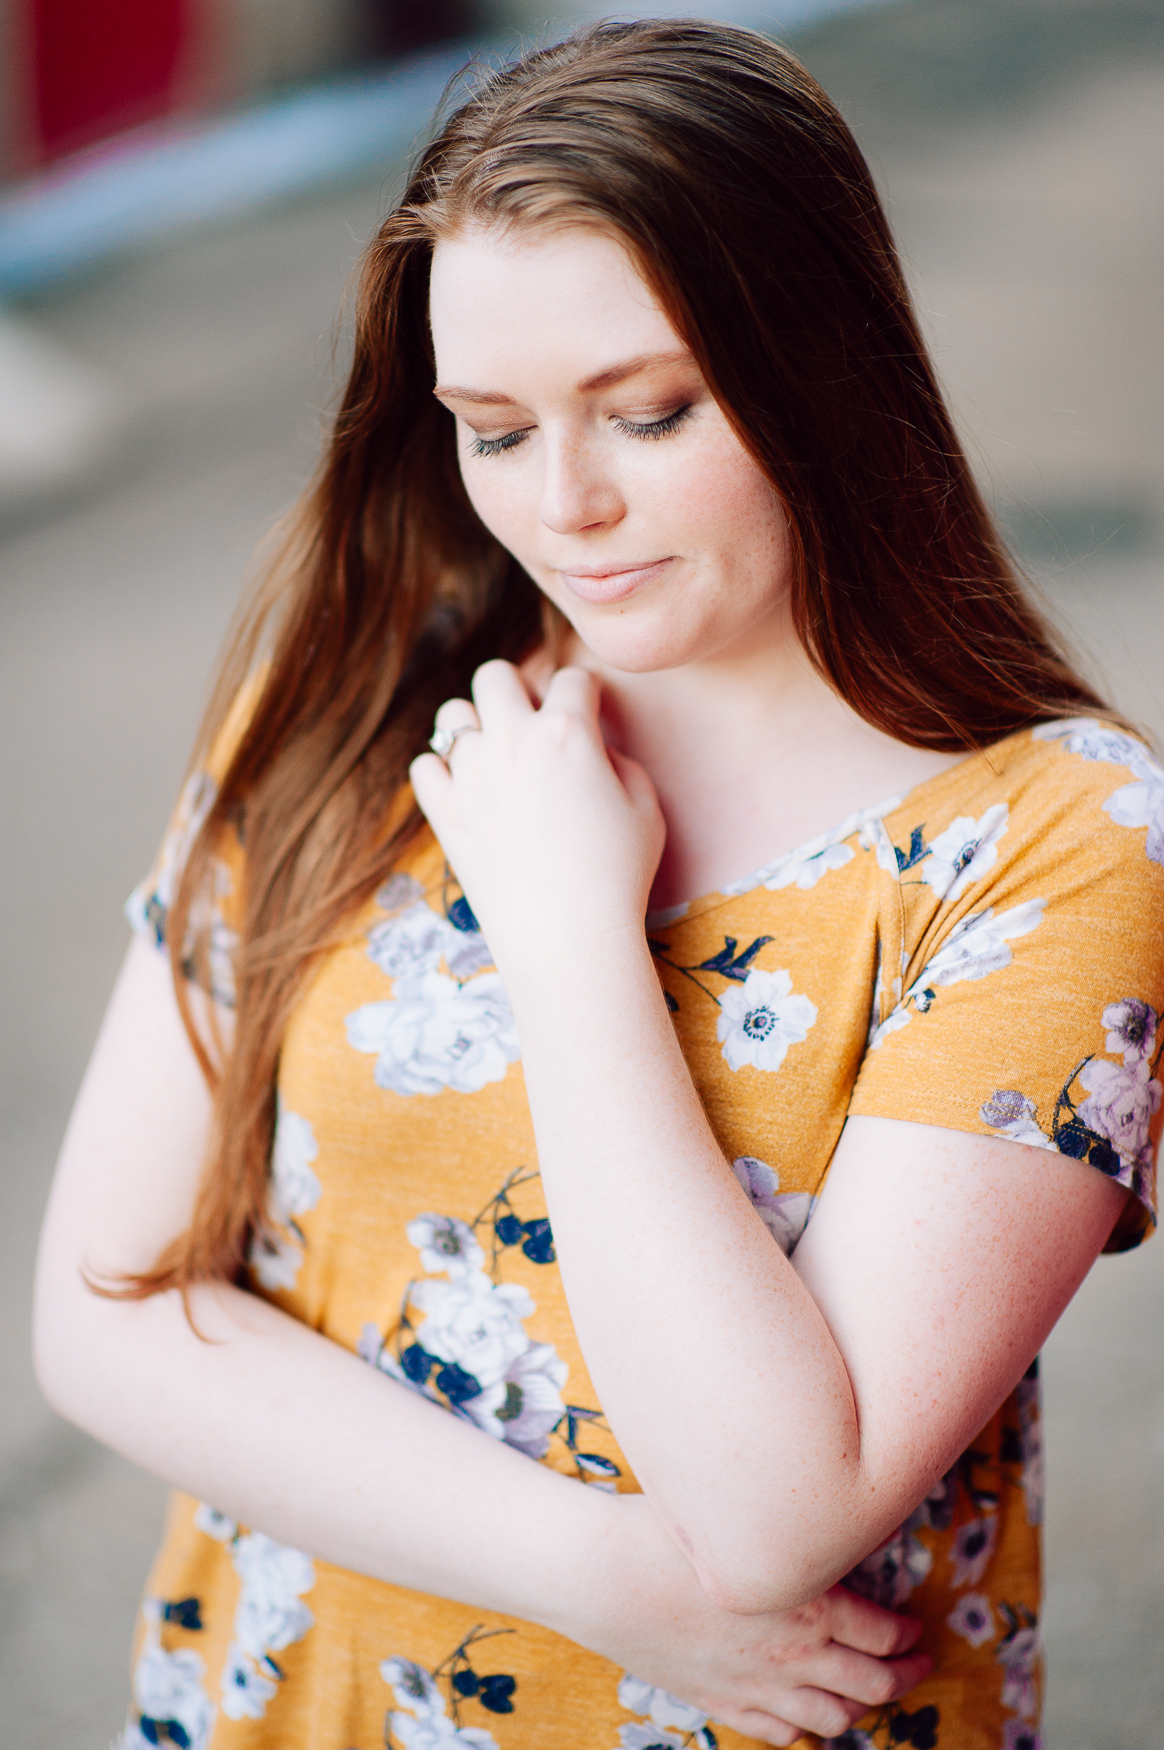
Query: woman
{"points": [[643, 488]]}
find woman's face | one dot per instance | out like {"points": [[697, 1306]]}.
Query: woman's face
{"points": [[593, 450]]}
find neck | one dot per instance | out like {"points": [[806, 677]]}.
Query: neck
{"points": [[752, 753]]}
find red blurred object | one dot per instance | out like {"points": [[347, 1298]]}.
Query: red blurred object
{"points": [[102, 65]]}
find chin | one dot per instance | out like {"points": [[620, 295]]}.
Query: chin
{"points": [[639, 649]]}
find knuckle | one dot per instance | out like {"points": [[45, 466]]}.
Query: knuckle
{"points": [[883, 1686], [836, 1717]]}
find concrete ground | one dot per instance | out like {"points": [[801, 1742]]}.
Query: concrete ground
{"points": [[1022, 148]]}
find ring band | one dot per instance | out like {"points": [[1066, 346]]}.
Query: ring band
{"points": [[443, 739]]}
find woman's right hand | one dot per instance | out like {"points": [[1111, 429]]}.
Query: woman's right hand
{"points": [[817, 1668]]}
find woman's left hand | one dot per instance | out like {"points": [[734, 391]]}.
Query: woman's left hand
{"points": [[554, 837]]}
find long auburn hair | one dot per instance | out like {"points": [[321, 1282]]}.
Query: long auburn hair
{"points": [[743, 199]]}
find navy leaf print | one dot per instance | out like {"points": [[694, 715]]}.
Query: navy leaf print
{"points": [[466, 1682], [496, 1692], [184, 1612], [417, 1364], [508, 1230], [730, 964], [539, 1245], [919, 1729], [461, 916], [918, 851], [457, 1385], [599, 1466]]}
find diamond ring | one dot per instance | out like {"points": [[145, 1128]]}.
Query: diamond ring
{"points": [[443, 739]]}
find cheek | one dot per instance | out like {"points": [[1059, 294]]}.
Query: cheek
{"points": [[500, 497], [718, 496]]}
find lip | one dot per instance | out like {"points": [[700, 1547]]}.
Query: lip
{"points": [[611, 583]]}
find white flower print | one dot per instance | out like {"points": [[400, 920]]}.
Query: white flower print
{"points": [[874, 836], [421, 1721], [149, 904], [1140, 803], [475, 1323], [444, 1243], [785, 1217], [1031, 1436], [664, 1709], [1122, 1101], [268, 1617], [148, 907], [638, 1737], [438, 1733], [973, 1547], [294, 1187], [525, 1406], [415, 941], [1019, 1657], [214, 1523], [973, 1619], [168, 1687], [805, 865], [275, 1259], [889, 1573], [975, 947], [1013, 1115], [276, 1256], [1018, 1735], [413, 1688], [893, 1023], [436, 1034], [412, 944], [964, 852], [494, 1374], [853, 1739], [761, 1018], [245, 1691]]}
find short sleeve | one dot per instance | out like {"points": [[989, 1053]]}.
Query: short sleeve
{"points": [[149, 905], [1022, 982]]}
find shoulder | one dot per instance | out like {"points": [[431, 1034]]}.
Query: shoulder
{"points": [[1070, 799]]}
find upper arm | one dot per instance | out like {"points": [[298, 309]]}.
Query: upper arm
{"points": [[133, 1152], [941, 1261]]}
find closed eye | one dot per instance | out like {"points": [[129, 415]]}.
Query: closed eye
{"points": [[494, 446], [656, 428]]}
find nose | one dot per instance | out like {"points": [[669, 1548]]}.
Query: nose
{"points": [[579, 490]]}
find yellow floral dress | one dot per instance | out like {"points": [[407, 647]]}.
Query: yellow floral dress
{"points": [[985, 953]]}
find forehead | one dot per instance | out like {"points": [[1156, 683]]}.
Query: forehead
{"points": [[568, 300]]}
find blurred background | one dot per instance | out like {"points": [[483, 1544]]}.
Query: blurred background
{"points": [[185, 186]]}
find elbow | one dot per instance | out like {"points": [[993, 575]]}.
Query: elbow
{"points": [[774, 1576], [70, 1348]]}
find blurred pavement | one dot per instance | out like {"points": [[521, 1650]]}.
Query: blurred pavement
{"points": [[1022, 147]]}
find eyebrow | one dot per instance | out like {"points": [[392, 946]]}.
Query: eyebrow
{"points": [[643, 361]]}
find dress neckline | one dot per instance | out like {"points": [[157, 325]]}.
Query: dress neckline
{"points": [[666, 915]]}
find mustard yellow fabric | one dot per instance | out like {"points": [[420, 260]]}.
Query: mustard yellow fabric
{"points": [[986, 954]]}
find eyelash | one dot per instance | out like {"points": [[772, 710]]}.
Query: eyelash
{"points": [[657, 428]]}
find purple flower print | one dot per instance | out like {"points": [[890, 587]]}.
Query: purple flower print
{"points": [[973, 1619], [1019, 1736], [889, 1573], [1131, 1029], [1122, 1101], [973, 1547], [1019, 1657]]}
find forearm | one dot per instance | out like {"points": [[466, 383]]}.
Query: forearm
{"points": [[288, 1432], [713, 1362]]}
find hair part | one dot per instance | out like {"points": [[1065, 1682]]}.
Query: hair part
{"points": [[742, 198]]}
